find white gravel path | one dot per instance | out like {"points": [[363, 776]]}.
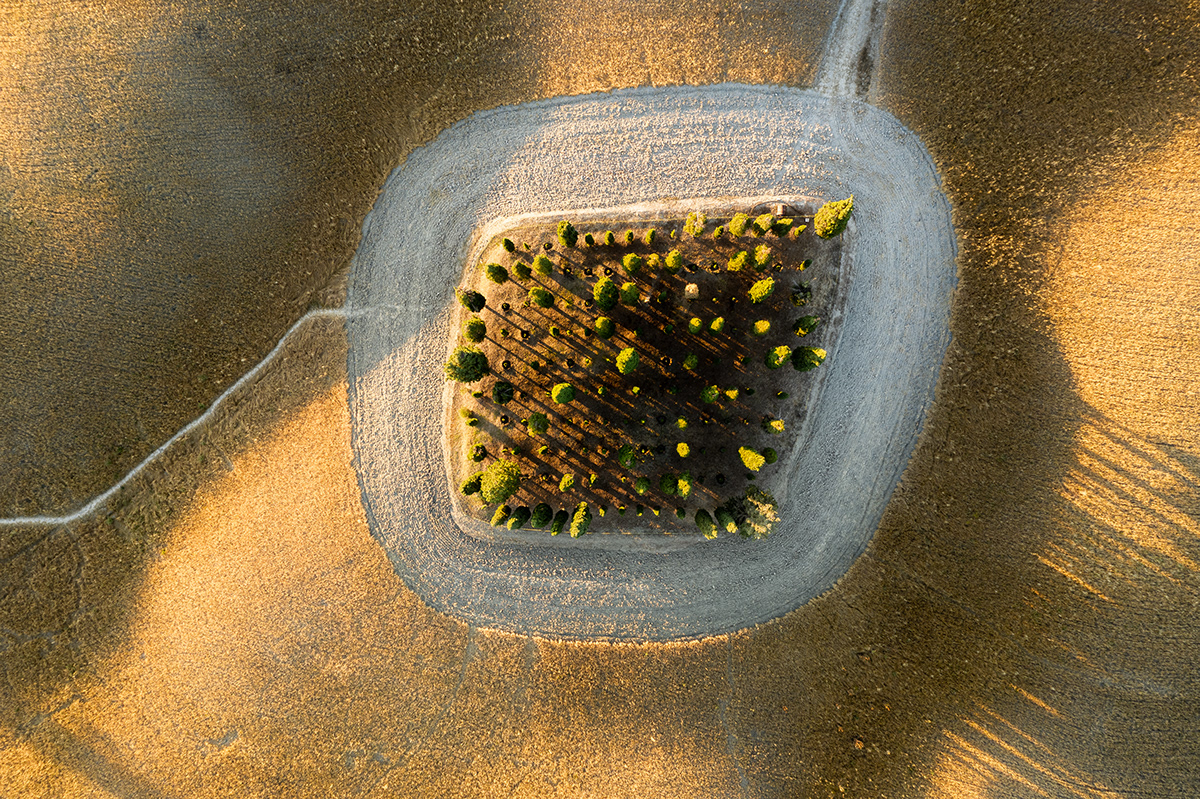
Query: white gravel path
{"points": [[616, 149]]}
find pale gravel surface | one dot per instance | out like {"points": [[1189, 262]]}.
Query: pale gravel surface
{"points": [[615, 149]]}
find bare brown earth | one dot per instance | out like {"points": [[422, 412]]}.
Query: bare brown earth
{"points": [[1023, 624]]}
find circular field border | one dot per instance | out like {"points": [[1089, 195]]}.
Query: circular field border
{"points": [[619, 149]]}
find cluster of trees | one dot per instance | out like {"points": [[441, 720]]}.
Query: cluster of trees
{"points": [[753, 515]]}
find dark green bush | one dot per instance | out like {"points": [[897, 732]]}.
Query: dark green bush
{"points": [[605, 293], [541, 516], [683, 486], [801, 295], [725, 520], [522, 270], [832, 217], [763, 224], [737, 225], [474, 329], [805, 325], [629, 294], [502, 392], [625, 456], [649, 237], [567, 236], [501, 515], [589, 240], [710, 394], [537, 424], [751, 459], [560, 521], [473, 301], [719, 233], [497, 274], [717, 325], [641, 485], [478, 453], [471, 484], [782, 226], [770, 455], [762, 289], [629, 238], [627, 360], [674, 261], [704, 522], [738, 261], [562, 393], [501, 479], [518, 518], [632, 263], [605, 327], [466, 365], [541, 298], [609, 238], [691, 361], [695, 325], [581, 520], [508, 245], [806, 358], [668, 483]]}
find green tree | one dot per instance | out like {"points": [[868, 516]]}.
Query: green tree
{"points": [[581, 520], [605, 293], [691, 361], [762, 289], [641, 485], [501, 479], [541, 298], [783, 226], [649, 238], [519, 518], [471, 484], [770, 455], [738, 261], [683, 488], [541, 516], [805, 325], [762, 257], [629, 238], [737, 225], [695, 223], [567, 482], [717, 325], [772, 426], [522, 270], [832, 217], [537, 424], [478, 453], [704, 522], [501, 515], [763, 224], [474, 329], [695, 325], [807, 358], [589, 239], [473, 301], [629, 294], [625, 456], [751, 459], [627, 360], [542, 265], [466, 365], [567, 235], [508, 245], [762, 327], [605, 327], [502, 392], [497, 274], [726, 520], [778, 356], [718, 233], [609, 238], [562, 393], [674, 261], [668, 483], [710, 394], [682, 449], [759, 513], [560, 521], [632, 263]]}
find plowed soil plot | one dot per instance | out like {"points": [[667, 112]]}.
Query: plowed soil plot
{"points": [[693, 397]]}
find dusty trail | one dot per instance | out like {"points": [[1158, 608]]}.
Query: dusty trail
{"points": [[847, 65]]}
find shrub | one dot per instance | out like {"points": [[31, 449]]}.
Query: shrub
{"points": [[474, 329], [762, 257], [632, 263], [751, 459], [649, 237], [737, 225], [695, 223], [471, 484], [555, 331], [501, 515], [567, 235], [704, 522], [625, 456], [567, 482], [710, 394], [629, 294], [725, 520], [717, 325], [653, 261], [581, 520], [683, 487], [605, 327], [759, 513], [778, 356], [537, 424], [770, 455], [782, 226], [738, 261], [683, 450], [605, 294], [560, 521], [497, 274], [562, 393], [502, 392], [762, 289], [508, 245], [641, 485], [500, 481], [832, 217], [801, 295], [592, 478], [695, 325], [773, 426], [519, 517], [668, 483], [543, 265], [627, 360], [805, 325], [468, 417], [522, 270], [732, 394], [609, 238], [806, 358], [719, 233], [762, 327], [541, 298], [541, 516], [478, 453], [691, 361], [673, 261], [473, 301], [467, 365], [763, 224]]}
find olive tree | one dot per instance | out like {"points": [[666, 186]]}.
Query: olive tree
{"points": [[543, 265], [778, 356], [562, 393], [537, 424], [567, 235], [807, 358], [580, 520], [467, 365], [737, 225], [541, 298], [704, 522], [497, 274], [473, 301], [632, 263], [673, 261], [762, 289], [627, 360], [605, 293], [605, 327], [751, 459], [500, 480], [832, 217]]}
